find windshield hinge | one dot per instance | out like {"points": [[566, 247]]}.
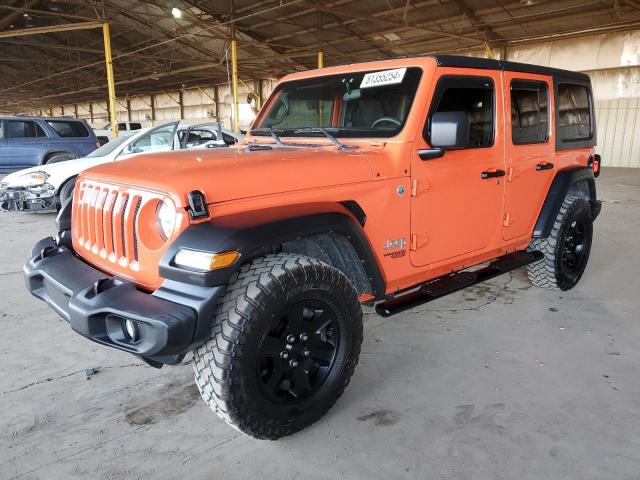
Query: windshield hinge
{"points": [[197, 205]]}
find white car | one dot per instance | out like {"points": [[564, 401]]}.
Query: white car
{"points": [[48, 187], [125, 129]]}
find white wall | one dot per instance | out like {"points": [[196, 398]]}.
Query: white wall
{"points": [[613, 63]]}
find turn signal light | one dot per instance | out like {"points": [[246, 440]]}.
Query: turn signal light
{"points": [[205, 261]]}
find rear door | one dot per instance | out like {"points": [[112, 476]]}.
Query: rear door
{"points": [[457, 199], [72, 136], [26, 143], [530, 150]]}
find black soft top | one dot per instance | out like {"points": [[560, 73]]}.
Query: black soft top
{"points": [[488, 64]]}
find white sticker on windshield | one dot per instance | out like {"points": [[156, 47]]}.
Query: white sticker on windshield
{"points": [[386, 77]]}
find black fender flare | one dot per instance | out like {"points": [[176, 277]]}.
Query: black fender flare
{"points": [[256, 233], [560, 186]]}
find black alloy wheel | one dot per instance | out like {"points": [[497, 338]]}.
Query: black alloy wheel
{"points": [[572, 258], [297, 354]]}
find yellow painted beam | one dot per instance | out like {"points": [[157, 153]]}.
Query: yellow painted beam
{"points": [[488, 51], [51, 29], [234, 79], [110, 81], [320, 52]]}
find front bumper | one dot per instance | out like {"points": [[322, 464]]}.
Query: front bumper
{"points": [[18, 199], [170, 321]]}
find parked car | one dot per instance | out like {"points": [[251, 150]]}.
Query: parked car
{"points": [[390, 183], [208, 135], [105, 134], [29, 141], [47, 187]]}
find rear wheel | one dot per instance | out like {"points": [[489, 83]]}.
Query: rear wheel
{"points": [[285, 342], [566, 249]]}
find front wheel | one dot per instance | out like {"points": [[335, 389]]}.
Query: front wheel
{"points": [[566, 249], [284, 345], [66, 193]]}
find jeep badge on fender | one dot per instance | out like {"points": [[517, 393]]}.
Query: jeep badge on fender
{"points": [[257, 258]]}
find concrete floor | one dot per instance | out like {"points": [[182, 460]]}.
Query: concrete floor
{"points": [[502, 381]]}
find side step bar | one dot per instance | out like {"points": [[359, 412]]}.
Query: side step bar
{"points": [[447, 284]]}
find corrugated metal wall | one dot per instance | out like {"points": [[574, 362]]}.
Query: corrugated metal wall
{"points": [[619, 132], [198, 105], [613, 62]]}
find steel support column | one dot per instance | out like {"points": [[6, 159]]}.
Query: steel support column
{"points": [[110, 82], [234, 79], [320, 52]]}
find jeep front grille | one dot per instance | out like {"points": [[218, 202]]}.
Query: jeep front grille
{"points": [[106, 222]]}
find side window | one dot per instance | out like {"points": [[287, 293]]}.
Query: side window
{"points": [[122, 126], [68, 128], [135, 126], [198, 137], [40, 131], [573, 104], [472, 95], [23, 129], [160, 138], [529, 112]]}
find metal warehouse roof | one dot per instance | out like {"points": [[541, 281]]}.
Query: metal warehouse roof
{"points": [[153, 51]]}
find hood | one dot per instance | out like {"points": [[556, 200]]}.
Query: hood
{"points": [[58, 172], [224, 174]]}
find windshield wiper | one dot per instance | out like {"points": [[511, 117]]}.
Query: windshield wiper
{"points": [[325, 132], [275, 136], [277, 140]]}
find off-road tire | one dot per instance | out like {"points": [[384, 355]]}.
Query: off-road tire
{"points": [[549, 272], [226, 366]]}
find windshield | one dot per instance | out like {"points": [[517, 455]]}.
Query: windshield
{"points": [[107, 148], [366, 104]]}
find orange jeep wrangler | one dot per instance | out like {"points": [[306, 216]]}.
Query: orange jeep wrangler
{"points": [[390, 183]]}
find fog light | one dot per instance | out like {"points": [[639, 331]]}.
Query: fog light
{"points": [[131, 330], [205, 261]]}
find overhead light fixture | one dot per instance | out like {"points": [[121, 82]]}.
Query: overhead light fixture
{"points": [[176, 12]]}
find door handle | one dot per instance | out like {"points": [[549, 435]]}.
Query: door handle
{"points": [[491, 174], [544, 166]]}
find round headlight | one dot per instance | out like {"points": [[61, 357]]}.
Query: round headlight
{"points": [[166, 214]]}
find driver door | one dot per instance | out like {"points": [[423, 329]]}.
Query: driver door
{"points": [[158, 139], [457, 197]]}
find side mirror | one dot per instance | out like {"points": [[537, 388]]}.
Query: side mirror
{"points": [[450, 129]]}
